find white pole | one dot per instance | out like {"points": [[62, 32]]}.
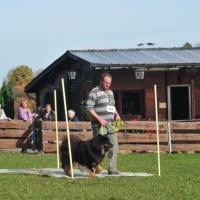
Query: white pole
{"points": [[67, 127], [56, 120], [157, 128], [169, 137]]}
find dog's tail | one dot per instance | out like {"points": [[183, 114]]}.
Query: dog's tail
{"points": [[64, 151]]}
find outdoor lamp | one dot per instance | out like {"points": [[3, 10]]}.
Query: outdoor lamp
{"points": [[71, 75], [139, 74]]}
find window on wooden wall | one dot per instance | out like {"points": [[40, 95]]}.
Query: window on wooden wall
{"points": [[130, 102]]}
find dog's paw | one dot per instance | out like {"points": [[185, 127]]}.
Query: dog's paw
{"points": [[67, 171], [92, 174], [98, 169]]}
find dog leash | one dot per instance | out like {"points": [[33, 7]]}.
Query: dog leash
{"points": [[112, 127]]}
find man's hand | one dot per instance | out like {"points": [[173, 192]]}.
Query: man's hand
{"points": [[117, 117], [102, 121]]}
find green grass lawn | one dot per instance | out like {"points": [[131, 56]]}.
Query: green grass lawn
{"points": [[180, 179]]}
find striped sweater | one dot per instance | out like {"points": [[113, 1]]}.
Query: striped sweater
{"points": [[98, 101]]}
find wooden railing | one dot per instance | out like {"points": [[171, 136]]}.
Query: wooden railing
{"points": [[135, 136], [184, 136], [15, 133]]}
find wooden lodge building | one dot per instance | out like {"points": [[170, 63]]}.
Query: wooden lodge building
{"points": [[175, 71]]}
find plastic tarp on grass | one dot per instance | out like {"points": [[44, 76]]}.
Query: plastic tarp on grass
{"points": [[59, 173]]}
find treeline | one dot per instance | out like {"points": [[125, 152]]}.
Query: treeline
{"points": [[18, 77]]}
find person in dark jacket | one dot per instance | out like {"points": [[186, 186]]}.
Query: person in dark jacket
{"points": [[71, 116], [48, 114]]}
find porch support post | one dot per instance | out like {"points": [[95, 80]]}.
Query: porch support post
{"points": [[169, 137], [193, 97]]}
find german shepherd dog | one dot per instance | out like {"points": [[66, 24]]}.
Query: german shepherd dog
{"points": [[88, 153]]}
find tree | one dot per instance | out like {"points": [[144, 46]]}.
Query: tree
{"points": [[187, 45], [21, 75], [6, 98], [17, 77], [1, 98]]}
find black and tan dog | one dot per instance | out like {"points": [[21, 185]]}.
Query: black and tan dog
{"points": [[88, 153]]}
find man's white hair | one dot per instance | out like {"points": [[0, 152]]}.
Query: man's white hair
{"points": [[71, 111]]}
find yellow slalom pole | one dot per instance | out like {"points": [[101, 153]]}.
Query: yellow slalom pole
{"points": [[67, 126], [157, 129], [56, 121]]}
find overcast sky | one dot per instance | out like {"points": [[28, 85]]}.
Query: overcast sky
{"points": [[36, 32]]}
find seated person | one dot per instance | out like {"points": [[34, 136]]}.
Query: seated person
{"points": [[71, 116], [48, 114], [2, 114], [24, 112]]}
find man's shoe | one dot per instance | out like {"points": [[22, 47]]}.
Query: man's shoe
{"points": [[113, 172]]}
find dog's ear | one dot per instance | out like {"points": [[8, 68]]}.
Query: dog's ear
{"points": [[98, 138], [107, 142], [107, 145], [102, 139], [97, 141], [110, 145]]}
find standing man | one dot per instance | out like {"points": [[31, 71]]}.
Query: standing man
{"points": [[101, 105]]}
